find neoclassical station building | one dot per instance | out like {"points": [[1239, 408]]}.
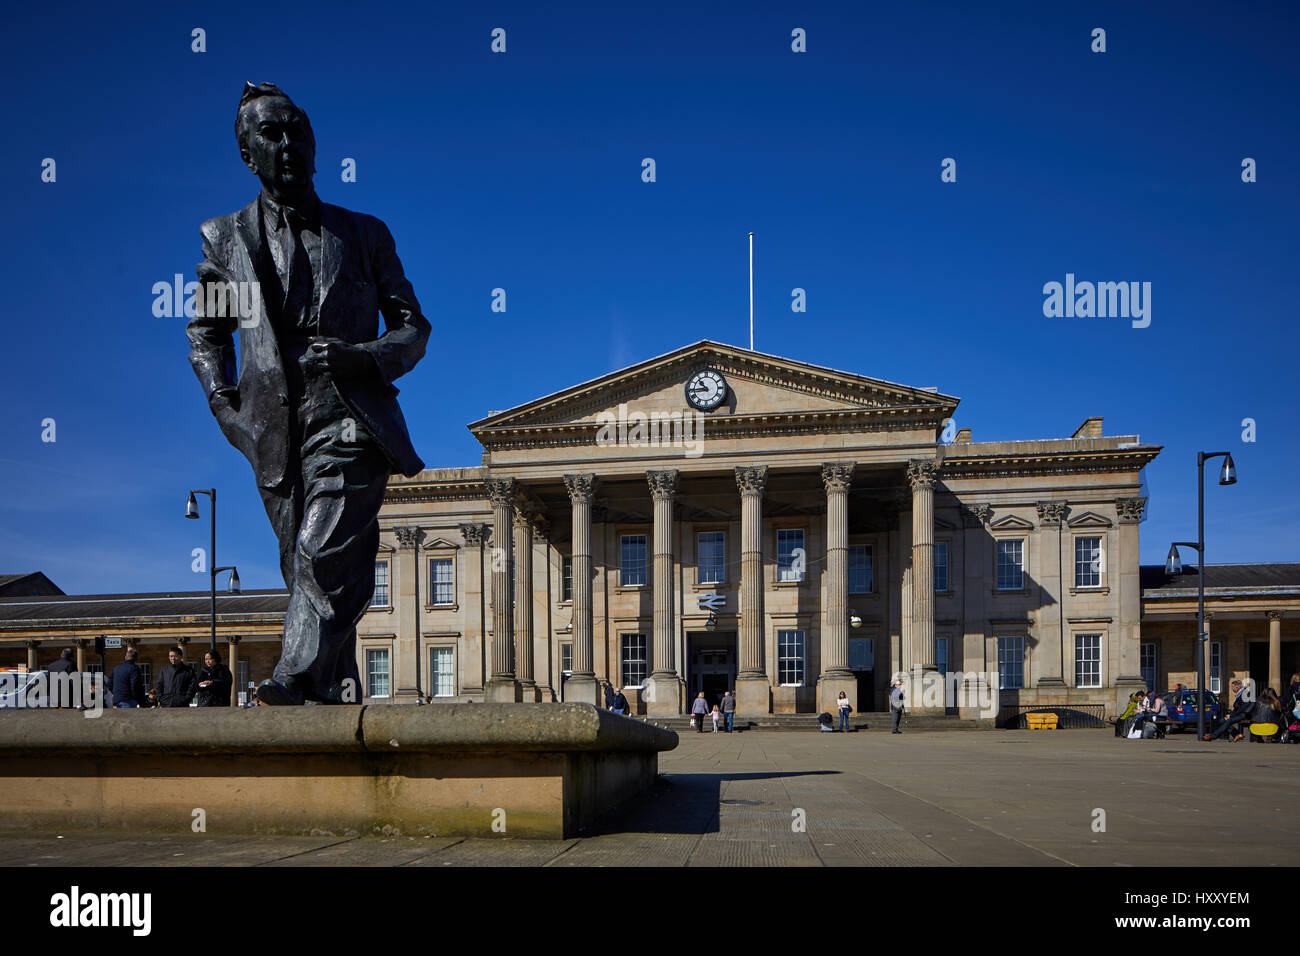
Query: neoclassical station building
{"points": [[717, 518], [720, 518]]}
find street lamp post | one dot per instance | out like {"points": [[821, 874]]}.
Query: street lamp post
{"points": [[1173, 565], [192, 511]]}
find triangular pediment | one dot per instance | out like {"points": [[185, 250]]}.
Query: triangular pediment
{"points": [[1011, 523], [757, 384], [1089, 519], [439, 543]]}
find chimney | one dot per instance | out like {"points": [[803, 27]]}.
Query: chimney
{"points": [[963, 437], [1091, 428]]}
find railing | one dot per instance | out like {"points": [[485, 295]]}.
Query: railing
{"points": [[1073, 717]]}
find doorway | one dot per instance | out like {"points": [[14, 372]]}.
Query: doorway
{"points": [[711, 665]]}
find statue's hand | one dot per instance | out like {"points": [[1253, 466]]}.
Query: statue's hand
{"points": [[224, 400], [337, 358]]}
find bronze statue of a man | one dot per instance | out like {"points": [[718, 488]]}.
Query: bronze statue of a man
{"points": [[313, 407]]}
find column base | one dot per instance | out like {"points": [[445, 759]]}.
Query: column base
{"points": [[502, 690], [977, 700], [583, 690], [753, 697], [667, 693], [529, 692], [828, 694], [925, 691]]}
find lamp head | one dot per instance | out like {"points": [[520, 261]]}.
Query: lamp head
{"points": [[191, 507], [234, 581], [1173, 563], [1228, 473]]}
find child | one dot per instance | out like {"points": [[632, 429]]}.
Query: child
{"points": [[715, 715]]}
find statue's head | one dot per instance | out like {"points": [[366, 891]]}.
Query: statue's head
{"points": [[276, 141]]}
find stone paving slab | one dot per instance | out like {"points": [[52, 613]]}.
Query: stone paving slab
{"points": [[1001, 798]]}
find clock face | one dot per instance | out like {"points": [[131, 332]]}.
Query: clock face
{"points": [[706, 389]]}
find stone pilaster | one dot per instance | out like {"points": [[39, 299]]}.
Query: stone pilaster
{"points": [[81, 653], [921, 475], [581, 685], [1048, 623], [835, 674], [472, 669], [1124, 570], [523, 644], [1275, 652], [977, 690], [502, 686], [405, 584], [753, 689], [545, 652], [667, 687]]}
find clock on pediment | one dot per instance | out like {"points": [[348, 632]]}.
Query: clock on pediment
{"points": [[706, 389]]}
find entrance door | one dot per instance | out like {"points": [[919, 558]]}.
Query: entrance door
{"points": [[711, 665], [862, 661]]}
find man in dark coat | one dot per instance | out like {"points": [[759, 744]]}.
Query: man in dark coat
{"points": [[65, 664], [214, 681], [313, 407], [175, 685], [126, 683]]}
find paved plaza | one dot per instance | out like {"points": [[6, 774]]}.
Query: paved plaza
{"points": [[774, 798]]}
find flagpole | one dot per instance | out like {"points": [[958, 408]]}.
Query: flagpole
{"points": [[751, 292]]}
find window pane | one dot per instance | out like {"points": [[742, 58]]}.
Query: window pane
{"points": [[861, 578], [632, 563], [380, 597], [941, 566], [789, 657], [1147, 664], [441, 663], [711, 557], [566, 657], [1011, 565], [377, 672], [1087, 660], [791, 559], [941, 654], [1011, 663], [442, 585], [566, 571], [634, 659], [1087, 562], [1216, 666]]}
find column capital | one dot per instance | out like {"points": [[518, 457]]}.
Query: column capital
{"points": [[501, 491], [233, 639], [1273, 615], [976, 516], [541, 526], [751, 479], [1209, 616], [581, 487], [475, 532], [922, 473], [30, 643], [663, 484], [81, 641], [524, 516], [1130, 509], [837, 476], [1051, 512], [408, 536]]}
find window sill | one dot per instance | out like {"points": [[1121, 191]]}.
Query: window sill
{"points": [[442, 607], [626, 588], [1096, 589], [790, 584], [719, 586], [386, 608], [1020, 592]]}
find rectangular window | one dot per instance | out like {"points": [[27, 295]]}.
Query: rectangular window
{"points": [[791, 559], [1087, 562], [862, 653], [789, 657], [632, 560], [941, 654], [377, 672], [1147, 664], [1216, 667], [146, 673], [861, 569], [1011, 565], [1011, 663], [1087, 660], [566, 658], [442, 583], [566, 578], [380, 597], [634, 660], [941, 567], [711, 557], [442, 664]]}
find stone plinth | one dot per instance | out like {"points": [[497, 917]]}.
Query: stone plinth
{"points": [[538, 770]]}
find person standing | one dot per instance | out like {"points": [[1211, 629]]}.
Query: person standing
{"points": [[126, 683], [214, 681], [845, 709], [175, 684], [716, 715], [699, 709], [61, 692], [609, 696], [896, 703], [729, 710]]}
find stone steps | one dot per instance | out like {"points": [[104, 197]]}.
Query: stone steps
{"points": [[870, 722]]}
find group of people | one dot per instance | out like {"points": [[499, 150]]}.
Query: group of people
{"points": [[178, 683], [1269, 708], [723, 713]]}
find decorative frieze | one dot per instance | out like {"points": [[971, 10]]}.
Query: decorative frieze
{"points": [[1130, 509], [1051, 512]]}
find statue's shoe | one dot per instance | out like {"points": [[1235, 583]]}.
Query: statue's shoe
{"points": [[278, 695]]}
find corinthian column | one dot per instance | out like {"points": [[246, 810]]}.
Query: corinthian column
{"points": [[501, 686], [581, 685], [921, 475], [835, 675], [753, 690], [523, 645], [666, 696]]}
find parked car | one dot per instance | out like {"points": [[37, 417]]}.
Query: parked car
{"points": [[1182, 709]]}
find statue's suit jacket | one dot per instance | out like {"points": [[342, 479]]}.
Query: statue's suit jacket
{"points": [[361, 279]]}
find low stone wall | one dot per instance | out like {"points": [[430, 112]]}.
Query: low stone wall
{"points": [[519, 770]]}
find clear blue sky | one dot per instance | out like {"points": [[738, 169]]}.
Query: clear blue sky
{"points": [[523, 171]]}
